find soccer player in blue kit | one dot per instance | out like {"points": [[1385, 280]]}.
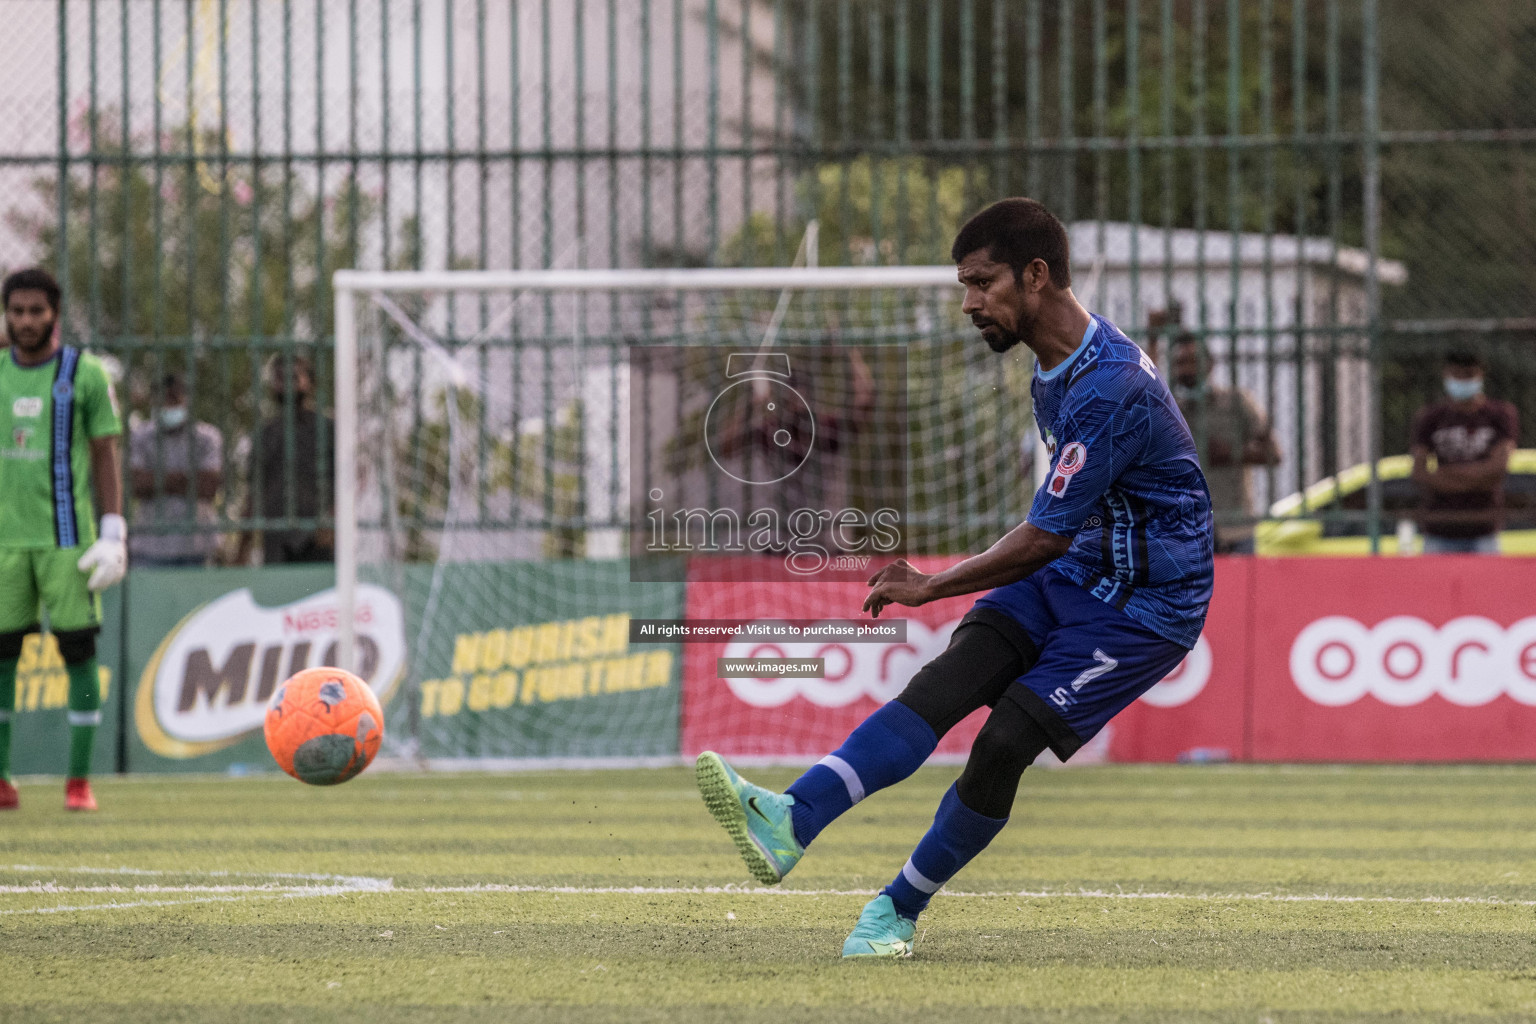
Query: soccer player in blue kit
{"points": [[1091, 601]]}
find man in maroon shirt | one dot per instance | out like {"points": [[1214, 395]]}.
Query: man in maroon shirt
{"points": [[1470, 435]]}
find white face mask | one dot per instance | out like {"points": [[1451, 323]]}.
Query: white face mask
{"points": [[173, 417], [1463, 388]]}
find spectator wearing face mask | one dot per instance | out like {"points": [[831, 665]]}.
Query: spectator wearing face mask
{"points": [[296, 489], [176, 466], [1232, 435], [1470, 436]]}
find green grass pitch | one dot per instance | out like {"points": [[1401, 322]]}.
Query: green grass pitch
{"points": [[1169, 894]]}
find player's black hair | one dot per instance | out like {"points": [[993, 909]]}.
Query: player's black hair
{"points": [[1464, 359], [1017, 232], [30, 279]]}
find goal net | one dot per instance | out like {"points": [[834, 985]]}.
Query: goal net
{"points": [[527, 462]]}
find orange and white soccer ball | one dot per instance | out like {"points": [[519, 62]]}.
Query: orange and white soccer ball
{"points": [[323, 726]]}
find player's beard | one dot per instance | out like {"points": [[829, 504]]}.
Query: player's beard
{"points": [[31, 346], [1001, 339]]}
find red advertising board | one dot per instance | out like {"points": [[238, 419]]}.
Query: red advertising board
{"points": [[1201, 711], [1344, 659], [1394, 659], [803, 719]]}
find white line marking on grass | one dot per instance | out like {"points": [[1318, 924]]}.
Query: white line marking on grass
{"points": [[1092, 894], [338, 885], [135, 903], [53, 887], [348, 885], [352, 881], [1263, 897]]}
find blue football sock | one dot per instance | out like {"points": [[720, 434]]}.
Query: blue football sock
{"points": [[958, 835], [887, 746]]}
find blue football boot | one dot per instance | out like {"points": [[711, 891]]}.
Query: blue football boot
{"points": [[881, 932]]}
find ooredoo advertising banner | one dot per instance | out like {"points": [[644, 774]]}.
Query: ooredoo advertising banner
{"points": [[791, 717], [1394, 659], [802, 718], [1201, 711], [1347, 659]]}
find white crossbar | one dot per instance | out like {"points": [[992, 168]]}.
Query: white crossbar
{"points": [[691, 280]]}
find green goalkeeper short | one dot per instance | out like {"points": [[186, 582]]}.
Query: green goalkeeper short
{"points": [[46, 577]]}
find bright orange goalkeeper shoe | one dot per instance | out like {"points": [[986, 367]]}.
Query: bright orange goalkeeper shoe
{"points": [[9, 798], [77, 795]]}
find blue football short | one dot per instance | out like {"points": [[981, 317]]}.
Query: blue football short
{"points": [[1093, 659]]}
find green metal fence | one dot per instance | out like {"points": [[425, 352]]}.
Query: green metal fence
{"points": [[1329, 192]]}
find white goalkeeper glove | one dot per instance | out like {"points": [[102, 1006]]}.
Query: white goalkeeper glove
{"points": [[107, 559]]}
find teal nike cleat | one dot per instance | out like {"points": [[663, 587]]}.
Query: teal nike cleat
{"points": [[757, 819], [881, 932]]}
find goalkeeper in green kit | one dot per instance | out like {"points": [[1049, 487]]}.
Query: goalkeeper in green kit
{"points": [[58, 436]]}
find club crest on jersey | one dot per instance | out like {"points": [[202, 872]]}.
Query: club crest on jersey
{"points": [[1073, 456]]}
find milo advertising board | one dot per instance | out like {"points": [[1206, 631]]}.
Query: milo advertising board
{"points": [[207, 649], [533, 660], [536, 663]]}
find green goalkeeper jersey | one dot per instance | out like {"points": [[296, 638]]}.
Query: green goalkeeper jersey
{"points": [[48, 416]]}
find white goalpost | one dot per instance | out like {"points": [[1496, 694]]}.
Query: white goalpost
{"points": [[350, 285], [484, 457]]}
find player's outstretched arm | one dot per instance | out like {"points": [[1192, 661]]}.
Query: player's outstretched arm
{"points": [[1023, 550]]}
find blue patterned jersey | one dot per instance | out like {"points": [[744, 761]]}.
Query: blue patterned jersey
{"points": [[1125, 485]]}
